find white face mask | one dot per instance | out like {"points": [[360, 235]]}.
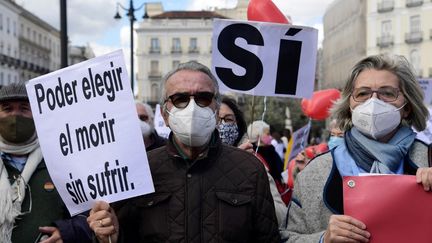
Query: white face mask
{"points": [[376, 118], [193, 125], [146, 129]]}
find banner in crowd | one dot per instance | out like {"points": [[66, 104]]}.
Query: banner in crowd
{"points": [[394, 208], [159, 124], [266, 59], [426, 85], [89, 132], [296, 144], [426, 135]]}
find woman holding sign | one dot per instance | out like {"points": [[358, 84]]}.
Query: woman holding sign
{"points": [[379, 104]]}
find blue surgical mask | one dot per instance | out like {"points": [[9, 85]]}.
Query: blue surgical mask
{"points": [[228, 132], [335, 141]]}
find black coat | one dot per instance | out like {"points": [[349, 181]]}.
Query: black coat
{"points": [[223, 196]]}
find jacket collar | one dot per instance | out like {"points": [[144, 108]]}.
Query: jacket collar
{"points": [[212, 148]]}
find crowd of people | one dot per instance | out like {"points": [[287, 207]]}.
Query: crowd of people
{"points": [[219, 179]]}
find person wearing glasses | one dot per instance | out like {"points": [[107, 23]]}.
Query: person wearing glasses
{"points": [[31, 209], [205, 191], [232, 125], [380, 102]]}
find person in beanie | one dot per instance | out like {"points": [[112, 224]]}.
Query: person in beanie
{"points": [[31, 209]]}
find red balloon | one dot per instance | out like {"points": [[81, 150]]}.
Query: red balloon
{"points": [[265, 11], [318, 107]]}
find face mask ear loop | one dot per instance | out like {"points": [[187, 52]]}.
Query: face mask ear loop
{"points": [[398, 109]]}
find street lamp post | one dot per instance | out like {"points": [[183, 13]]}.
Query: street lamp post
{"points": [[130, 13]]}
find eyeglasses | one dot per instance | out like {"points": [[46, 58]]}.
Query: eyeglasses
{"points": [[386, 94], [181, 100], [230, 119]]}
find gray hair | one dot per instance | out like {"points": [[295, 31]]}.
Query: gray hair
{"points": [[408, 84], [256, 129], [147, 108], [192, 66]]}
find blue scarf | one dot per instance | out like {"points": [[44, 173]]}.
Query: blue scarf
{"points": [[377, 157]]}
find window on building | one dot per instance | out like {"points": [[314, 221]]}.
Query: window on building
{"points": [[193, 45], [386, 28], [176, 45], [154, 66], [9, 80], [154, 45], [22, 30], [14, 28], [7, 25], [1, 78], [415, 61], [154, 92], [34, 35], [415, 24], [28, 33], [175, 63], [1, 21]]}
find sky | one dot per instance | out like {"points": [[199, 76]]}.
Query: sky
{"points": [[91, 21]]}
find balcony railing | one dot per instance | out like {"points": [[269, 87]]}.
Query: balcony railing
{"points": [[154, 50], [385, 6], [414, 37], [175, 49], [193, 49], [385, 41], [155, 74], [2, 59], [413, 3]]}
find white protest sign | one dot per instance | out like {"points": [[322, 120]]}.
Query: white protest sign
{"points": [[89, 132], [426, 135], [266, 59], [426, 85], [159, 123]]}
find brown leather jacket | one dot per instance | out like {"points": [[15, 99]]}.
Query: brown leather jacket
{"points": [[223, 196]]}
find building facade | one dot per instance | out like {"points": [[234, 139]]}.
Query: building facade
{"points": [[166, 39], [9, 55], [39, 45], [354, 29], [79, 54], [402, 27], [29, 47], [344, 40]]}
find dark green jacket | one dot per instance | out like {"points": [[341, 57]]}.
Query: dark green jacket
{"points": [[47, 205]]}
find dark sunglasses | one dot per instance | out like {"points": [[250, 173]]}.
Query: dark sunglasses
{"points": [[181, 100]]}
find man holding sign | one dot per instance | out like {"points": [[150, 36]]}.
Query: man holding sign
{"points": [[205, 191], [29, 203]]}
